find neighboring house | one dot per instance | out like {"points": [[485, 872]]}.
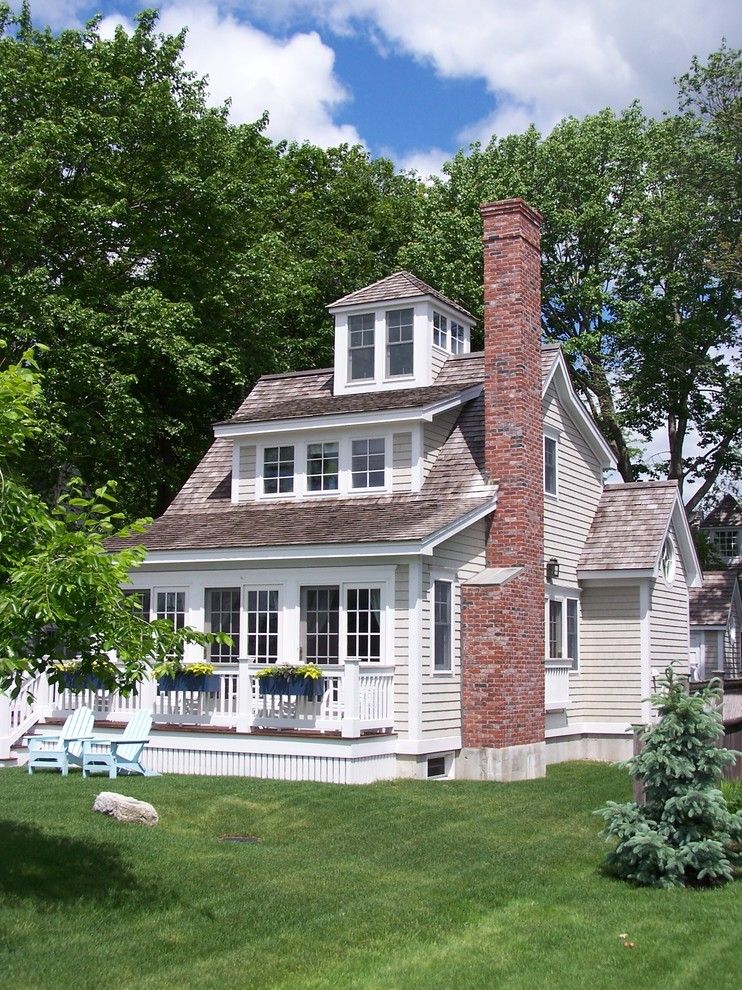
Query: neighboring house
{"points": [[432, 527], [716, 626], [723, 526]]}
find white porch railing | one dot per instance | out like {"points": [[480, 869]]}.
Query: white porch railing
{"points": [[358, 697], [557, 685], [19, 715]]}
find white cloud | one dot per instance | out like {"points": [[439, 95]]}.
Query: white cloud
{"points": [[292, 78], [543, 59], [426, 163]]}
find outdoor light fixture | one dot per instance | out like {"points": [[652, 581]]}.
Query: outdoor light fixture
{"points": [[552, 569]]}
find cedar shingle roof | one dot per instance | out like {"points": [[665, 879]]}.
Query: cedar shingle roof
{"points": [[629, 526], [710, 604], [400, 285], [298, 396], [727, 513], [307, 521]]}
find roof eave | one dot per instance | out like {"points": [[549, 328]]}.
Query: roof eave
{"points": [[559, 374]]}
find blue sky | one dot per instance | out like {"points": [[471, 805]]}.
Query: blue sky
{"points": [[417, 79]]}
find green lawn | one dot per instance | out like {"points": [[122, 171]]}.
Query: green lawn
{"points": [[399, 885]]}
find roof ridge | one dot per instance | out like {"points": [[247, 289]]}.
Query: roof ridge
{"points": [[624, 485], [296, 374]]}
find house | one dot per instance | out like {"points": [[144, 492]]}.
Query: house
{"points": [[723, 526], [716, 626], [432, 527]]}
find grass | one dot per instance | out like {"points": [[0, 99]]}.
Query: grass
{"points": [[398, 885]]}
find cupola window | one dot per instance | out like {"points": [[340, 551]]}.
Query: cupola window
{"points": [[399, 345], [361, 348]]}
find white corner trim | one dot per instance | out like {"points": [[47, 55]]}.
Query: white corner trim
{"points": [[645, 647], [414, 641]]}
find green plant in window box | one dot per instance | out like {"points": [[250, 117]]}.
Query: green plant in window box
{"points": [[305, 680], [72, 675], [174, 675]]}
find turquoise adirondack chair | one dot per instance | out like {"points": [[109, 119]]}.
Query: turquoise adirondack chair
{"points": [[122, 755], [58, 751]]}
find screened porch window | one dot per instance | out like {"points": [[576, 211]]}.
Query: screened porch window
{"points": [[320, 624], [141, 602], [171, 606], [363, 607], [222, 614]]}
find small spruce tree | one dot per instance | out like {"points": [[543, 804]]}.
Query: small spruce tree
{"points": [[684, 832]]}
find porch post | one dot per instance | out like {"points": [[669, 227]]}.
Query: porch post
{"points": [[147, 693], [351, 724], [244, 698]]}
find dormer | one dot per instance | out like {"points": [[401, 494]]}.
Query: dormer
{"points": [[395, 334]]}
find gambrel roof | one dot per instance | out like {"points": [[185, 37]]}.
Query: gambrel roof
{"points": [[400, 285]]}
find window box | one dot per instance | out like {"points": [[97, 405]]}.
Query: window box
{"points": [[302, 687], [209, 683], [75, 681]]}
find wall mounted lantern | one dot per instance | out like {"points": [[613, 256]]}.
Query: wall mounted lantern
{"points": [[552, 569]]}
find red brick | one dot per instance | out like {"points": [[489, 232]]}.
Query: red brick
{"points": [[503, 626]]}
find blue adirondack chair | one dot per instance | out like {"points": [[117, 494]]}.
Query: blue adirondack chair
{"points": [[122, 755], [57, 751]]}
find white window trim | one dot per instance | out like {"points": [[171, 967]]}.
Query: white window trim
{"points": [[550, 433], [563, 595], [345, 466], [441, 574]]}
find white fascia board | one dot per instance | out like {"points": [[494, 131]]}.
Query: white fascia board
{"points": [[324, 551], [679, 521], [609, 576], [559, 374], [340, 420], [379, 304], [423, 746], [463, 522]]}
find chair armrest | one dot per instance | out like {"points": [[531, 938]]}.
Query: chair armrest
{"points": [[127, 742], [46, 738], [77, 738]]}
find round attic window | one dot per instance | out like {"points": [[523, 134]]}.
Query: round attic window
{"points": [[667, 564]]}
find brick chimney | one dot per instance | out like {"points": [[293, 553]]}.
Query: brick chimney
{"points": [[503, 619]]}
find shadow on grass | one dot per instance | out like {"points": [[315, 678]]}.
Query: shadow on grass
{"points": [[44, 867]]}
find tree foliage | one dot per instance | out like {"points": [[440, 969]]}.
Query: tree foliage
{"points": [[166, 257], [636, 215], [683, 833], [60, 587]]}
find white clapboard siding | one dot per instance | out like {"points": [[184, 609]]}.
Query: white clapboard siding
{"points": [[402, 462], [608, 685], [401, 647], [246, 487], [567, 519], [670, 635], [438, 358], [458, 559], [436, 434]]}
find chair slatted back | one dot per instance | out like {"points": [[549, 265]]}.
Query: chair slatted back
{"points": [[79, 723], [138, 728]]}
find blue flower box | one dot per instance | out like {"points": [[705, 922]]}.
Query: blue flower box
{"points": [[303, 687], [77, 682], [187, 682]]}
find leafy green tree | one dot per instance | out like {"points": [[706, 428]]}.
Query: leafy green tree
{"points": [[166, 257], [60, 587], [634, 209], [683, 833]]}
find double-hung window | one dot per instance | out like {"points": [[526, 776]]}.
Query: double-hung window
{"points": [[442, 625], [222, 614], [367, 463], [361, 340], [399, 342], [727, 542], [440, 330], [261, 616], [322, 467], [320, 624], [550, 466], [278, 470], [563, 631]]}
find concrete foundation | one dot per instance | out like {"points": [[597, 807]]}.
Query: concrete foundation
{"points": [[506, 764], [605, 748]]}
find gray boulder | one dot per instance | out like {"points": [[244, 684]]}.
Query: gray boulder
{"points": [[125, 809]]}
